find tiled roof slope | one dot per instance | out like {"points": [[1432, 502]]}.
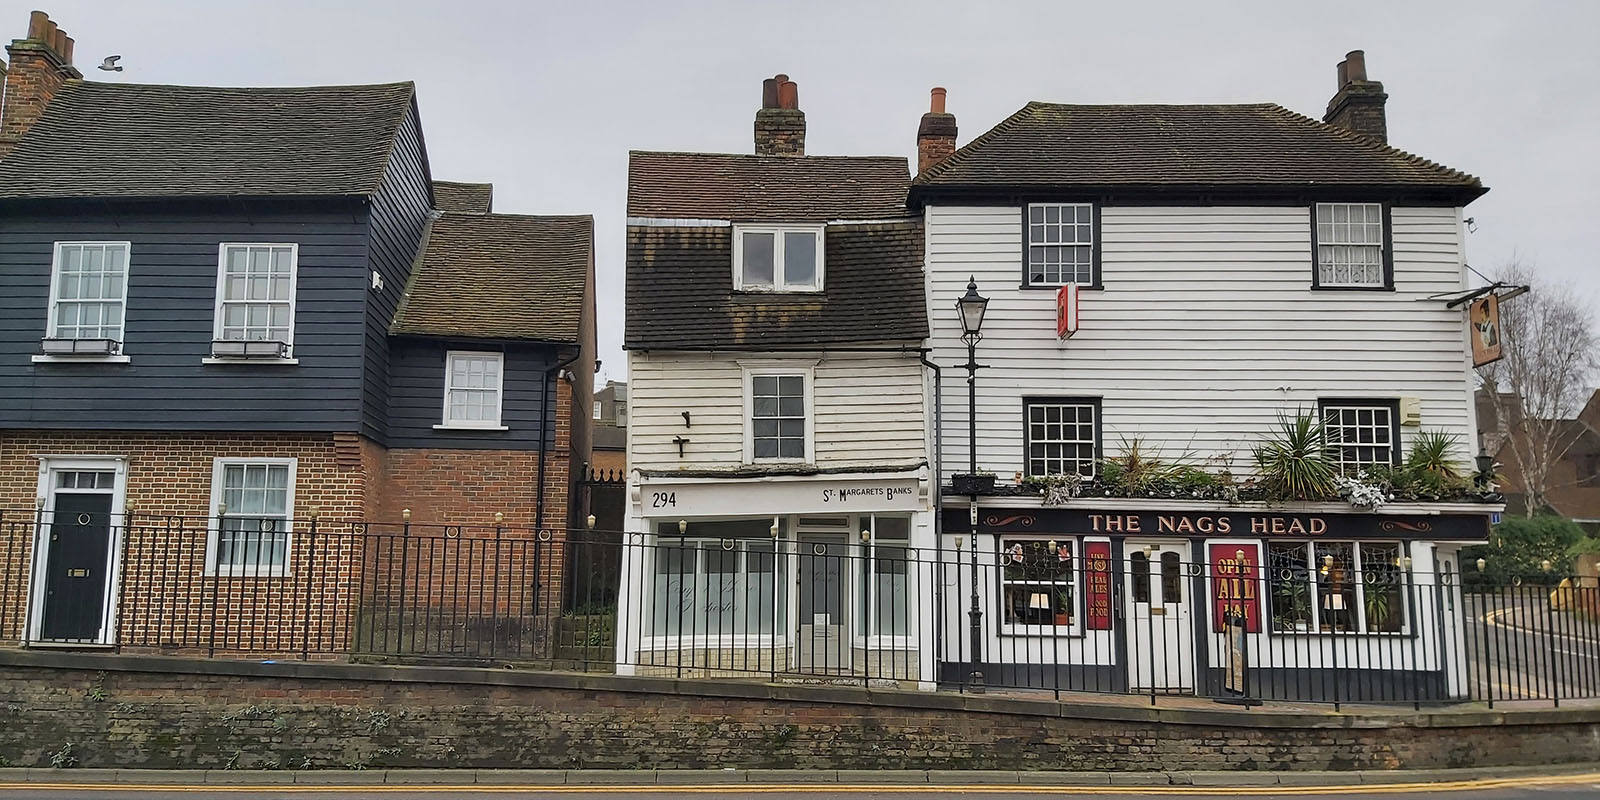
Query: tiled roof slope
{"points": [[472, 198], [499, 276], [680, 291], [772, 188], [131, 140], [1258, 145]]}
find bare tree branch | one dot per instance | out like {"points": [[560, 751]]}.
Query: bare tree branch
{"points": [[1536, 391]]}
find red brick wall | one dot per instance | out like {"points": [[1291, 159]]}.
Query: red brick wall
{"points": [[171, 604], [38, 68], [168, 600]]}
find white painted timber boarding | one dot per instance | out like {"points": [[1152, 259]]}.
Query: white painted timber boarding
{"points": [[1207, 327], [867, 409]]}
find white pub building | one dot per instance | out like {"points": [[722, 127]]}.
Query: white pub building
{"points": [[1168, 289]]}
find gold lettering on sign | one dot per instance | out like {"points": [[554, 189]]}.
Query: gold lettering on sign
{"points": [[1319, 526], [1223, 525], [1095, 520], [1258, 524]]}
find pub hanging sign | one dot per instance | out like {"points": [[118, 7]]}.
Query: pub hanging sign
{"points": [[1484, 317]]}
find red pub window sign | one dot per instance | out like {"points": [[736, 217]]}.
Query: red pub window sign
{"points": [[1067, 310], [1236, 585], [1097, 573]]}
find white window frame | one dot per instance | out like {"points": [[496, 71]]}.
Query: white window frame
{"points": [[1030, 244], [1075, 628], [1392, 451], [779, 284], [50, 325], [214, 521], [1325, 239], [1029, 404], [294, 291], [806, 373], [499, 392], [1314, 589]]}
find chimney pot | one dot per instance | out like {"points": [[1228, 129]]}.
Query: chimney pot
{"points": [[780, 125], [1358, 65], [36, 25], [936, 136], [769, 93], [66, 52], [788, 94], [1358, 105]]}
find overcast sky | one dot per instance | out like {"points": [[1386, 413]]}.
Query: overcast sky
{"points": [[545, 100]]}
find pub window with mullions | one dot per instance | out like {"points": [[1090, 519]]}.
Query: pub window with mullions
{"points": [[1062, 436], [1362, 433]]}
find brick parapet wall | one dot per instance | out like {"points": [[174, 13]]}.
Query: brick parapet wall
{"points": [[163, 713]]}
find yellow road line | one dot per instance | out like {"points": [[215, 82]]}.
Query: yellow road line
{"points": [[728, 788]]}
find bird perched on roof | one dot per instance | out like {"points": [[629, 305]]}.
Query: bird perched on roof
{"points": [[110, 64]]}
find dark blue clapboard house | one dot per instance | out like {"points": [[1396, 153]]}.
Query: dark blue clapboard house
{"points": [[255, 305]]}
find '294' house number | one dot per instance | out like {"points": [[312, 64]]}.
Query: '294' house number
{"points": [[663, 499]]}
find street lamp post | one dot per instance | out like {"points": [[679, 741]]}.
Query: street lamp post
{"points": [[971, 307]]}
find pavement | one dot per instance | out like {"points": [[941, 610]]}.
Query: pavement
{"points": [[1495, 783]]}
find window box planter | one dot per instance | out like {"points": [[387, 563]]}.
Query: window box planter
{"points": [[972, 484]]}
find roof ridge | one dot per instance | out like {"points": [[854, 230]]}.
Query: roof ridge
{"points": [[411, 85], [568, 217], [774, 158], [1371, 143]]}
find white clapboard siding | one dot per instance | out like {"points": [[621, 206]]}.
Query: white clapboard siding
{"points": [[869, 408], [1205, 330]]}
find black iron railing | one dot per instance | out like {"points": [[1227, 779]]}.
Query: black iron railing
{"points": [[1336, 624]]}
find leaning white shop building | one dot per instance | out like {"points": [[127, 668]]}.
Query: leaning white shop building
{"points": [[778, 444]]}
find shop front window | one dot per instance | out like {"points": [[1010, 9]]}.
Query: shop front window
{"points": [[717, 579], [1336, 587], [885, 604], [1037, 584]]}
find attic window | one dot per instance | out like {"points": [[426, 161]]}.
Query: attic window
{"points": [[777, 258]]}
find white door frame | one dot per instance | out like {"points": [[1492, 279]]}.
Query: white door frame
{"points": [[48, 467], [1160, 636]]}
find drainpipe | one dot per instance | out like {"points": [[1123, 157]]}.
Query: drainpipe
{"points": [[548, 432]]}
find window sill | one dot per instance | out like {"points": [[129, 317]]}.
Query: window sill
{"points": [[1051, 287], [247, 572], [117, 359], [443, 427], [753, 290], [1319, 287], [270, 362]]}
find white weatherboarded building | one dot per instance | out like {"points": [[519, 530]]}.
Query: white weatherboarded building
{"points": [[1231, 266], [779, 454]]}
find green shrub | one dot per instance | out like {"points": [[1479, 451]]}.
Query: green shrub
{"points": [[1518, 548]]}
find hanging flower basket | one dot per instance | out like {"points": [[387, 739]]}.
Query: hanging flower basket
{"points": [[972, 484]]}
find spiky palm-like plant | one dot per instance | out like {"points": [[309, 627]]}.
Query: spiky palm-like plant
{"points": [[1294, 462]]}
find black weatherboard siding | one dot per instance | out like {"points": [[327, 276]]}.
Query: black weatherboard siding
{"points": [[172, 284], [394, 232], [416, 401]]}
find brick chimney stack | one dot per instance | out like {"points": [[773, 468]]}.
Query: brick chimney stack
{"points": [[780, 124], [1358, 105], [936, 136], [40, 64]]}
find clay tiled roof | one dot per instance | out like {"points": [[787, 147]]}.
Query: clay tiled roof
{"points": [[680, 291], [499, 276], [130, 140], [1164, 146], [473, 198], [774, 188]]}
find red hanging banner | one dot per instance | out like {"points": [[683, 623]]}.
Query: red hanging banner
{"points": [[1235, 585], [1067, 310], [1097, 591]]}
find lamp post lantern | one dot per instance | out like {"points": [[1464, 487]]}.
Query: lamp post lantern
{"points": [[971, 307]]}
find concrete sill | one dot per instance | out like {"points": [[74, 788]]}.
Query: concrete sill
{"points": [[265, 362], [470, 428], [117, 359]]}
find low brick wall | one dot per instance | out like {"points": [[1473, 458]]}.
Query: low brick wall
{"points": [[136, 711]]}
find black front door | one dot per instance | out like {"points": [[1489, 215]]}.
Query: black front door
{"points": [[76, 570]]}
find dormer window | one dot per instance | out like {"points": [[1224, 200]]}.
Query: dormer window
{"points": [[777, 258]]}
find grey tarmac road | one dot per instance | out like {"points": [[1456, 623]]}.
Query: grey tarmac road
{"points": [[1531, 790]]}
